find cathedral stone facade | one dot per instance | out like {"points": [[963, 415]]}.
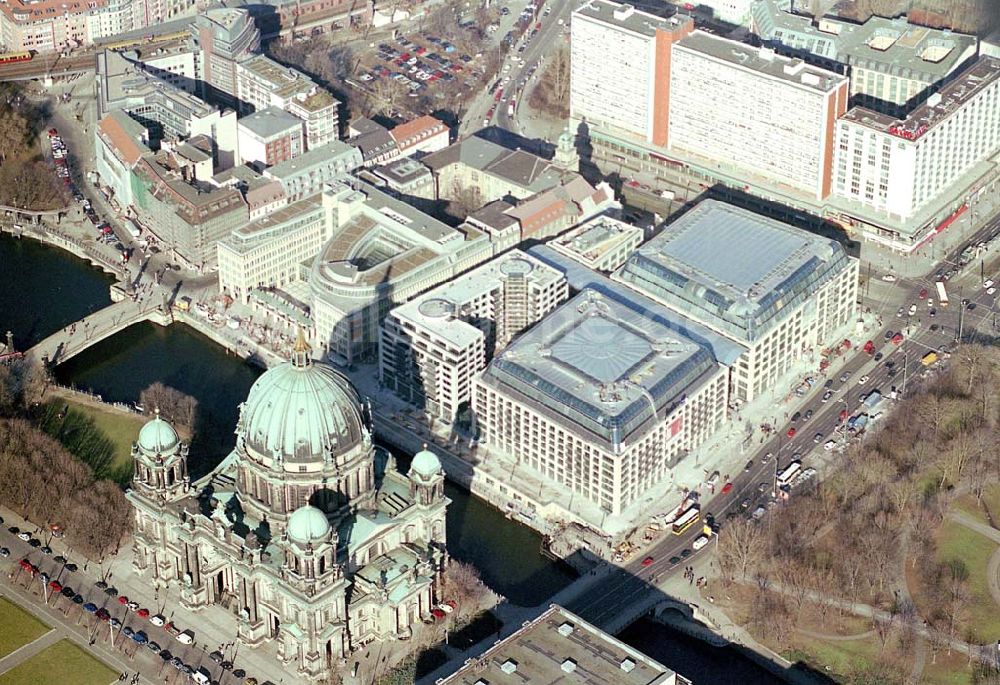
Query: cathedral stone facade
{"points": [[306, 532]]}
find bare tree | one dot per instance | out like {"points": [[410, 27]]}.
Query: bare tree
{"points": [[171, 404], [740, 549]]}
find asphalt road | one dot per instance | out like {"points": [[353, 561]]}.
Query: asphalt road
{"points": [[549, 37], [753, 482]]}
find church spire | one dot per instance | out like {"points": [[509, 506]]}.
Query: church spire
{"points": [[302, 352]]}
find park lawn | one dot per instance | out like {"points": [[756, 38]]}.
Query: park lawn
{"points": [[955, 541], [991, 498], [837, 657], [17, 627], [63, 663], [120, 428], [948, 670]]}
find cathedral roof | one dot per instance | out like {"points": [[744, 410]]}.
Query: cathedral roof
{"points": [[302, 411], [158, 436], [308, 524], [426, 463]]}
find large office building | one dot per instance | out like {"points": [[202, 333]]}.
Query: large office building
{"points": [[768, 116], [893, 65], [306, 531], [381, 252], [560, 647], [889, 171], [308, 173], [620, 68], [222, 37], [604, 396], [433, 345], [776, 290], [640, 81]]}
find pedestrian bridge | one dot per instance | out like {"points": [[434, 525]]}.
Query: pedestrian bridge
{"points": [[92, 329]]}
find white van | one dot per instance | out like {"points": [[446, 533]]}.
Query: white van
{"points": [[185, 638], [201, 676], [700, 542]]}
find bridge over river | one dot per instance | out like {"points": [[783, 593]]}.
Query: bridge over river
{"points": [[72, 340]]}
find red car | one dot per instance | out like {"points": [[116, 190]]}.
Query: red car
{"points": [[103, 614], [143, 613], [727, 488], [437, 614], [648, 561], [53, 133], [898, 338], [55, 585], [843, 415], [122, 599], [870, 347], [791, 432], [922, 294]]}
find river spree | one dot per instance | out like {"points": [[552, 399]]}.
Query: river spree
{"points": [[44, 289]]}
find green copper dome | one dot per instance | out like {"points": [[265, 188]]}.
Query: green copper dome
{"points": [[308, 524], [158, 436], [426, 463], [302, 411]]}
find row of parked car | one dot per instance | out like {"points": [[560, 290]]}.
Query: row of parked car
{"points": [[54, 588]]}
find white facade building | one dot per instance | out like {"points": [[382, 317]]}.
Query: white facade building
{"points": [[603, 397], [780, 292], [619, 68], [764, 114], [433, 345], [267, 252], [898, 166], [602, 243]]}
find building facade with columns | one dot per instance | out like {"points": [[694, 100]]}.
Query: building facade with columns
{"points": [[306, 531]]}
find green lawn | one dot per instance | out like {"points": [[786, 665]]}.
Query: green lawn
{"points": [[101, 437], [62, 663], [840, 657], [17, 627], [958, 542]]}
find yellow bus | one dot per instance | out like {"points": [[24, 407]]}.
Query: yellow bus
{"points": [[686, 520]]}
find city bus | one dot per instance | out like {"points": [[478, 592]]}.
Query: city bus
{"points": [[942, 294], [787, 475], [686, 520]]}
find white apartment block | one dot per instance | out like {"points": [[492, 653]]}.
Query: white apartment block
{"points": [[261, 83], [896, 167], [761, 113], [780, 292], [602, 397], [731, 11], [602, 243], [619, 68], [268, 252], [433, 345]]}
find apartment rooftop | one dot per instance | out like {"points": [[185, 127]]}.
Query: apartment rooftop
{"points": [[270, 122], [251, 234], [732, 269], [888, 45], [314, 159], [593, 239], [627, 17], [938, 107], [763, 61], [440, 310], [123, 83], [287, 82], [560, 647]]}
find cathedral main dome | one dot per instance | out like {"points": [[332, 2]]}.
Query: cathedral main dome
{"points": [[302, 412]]}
